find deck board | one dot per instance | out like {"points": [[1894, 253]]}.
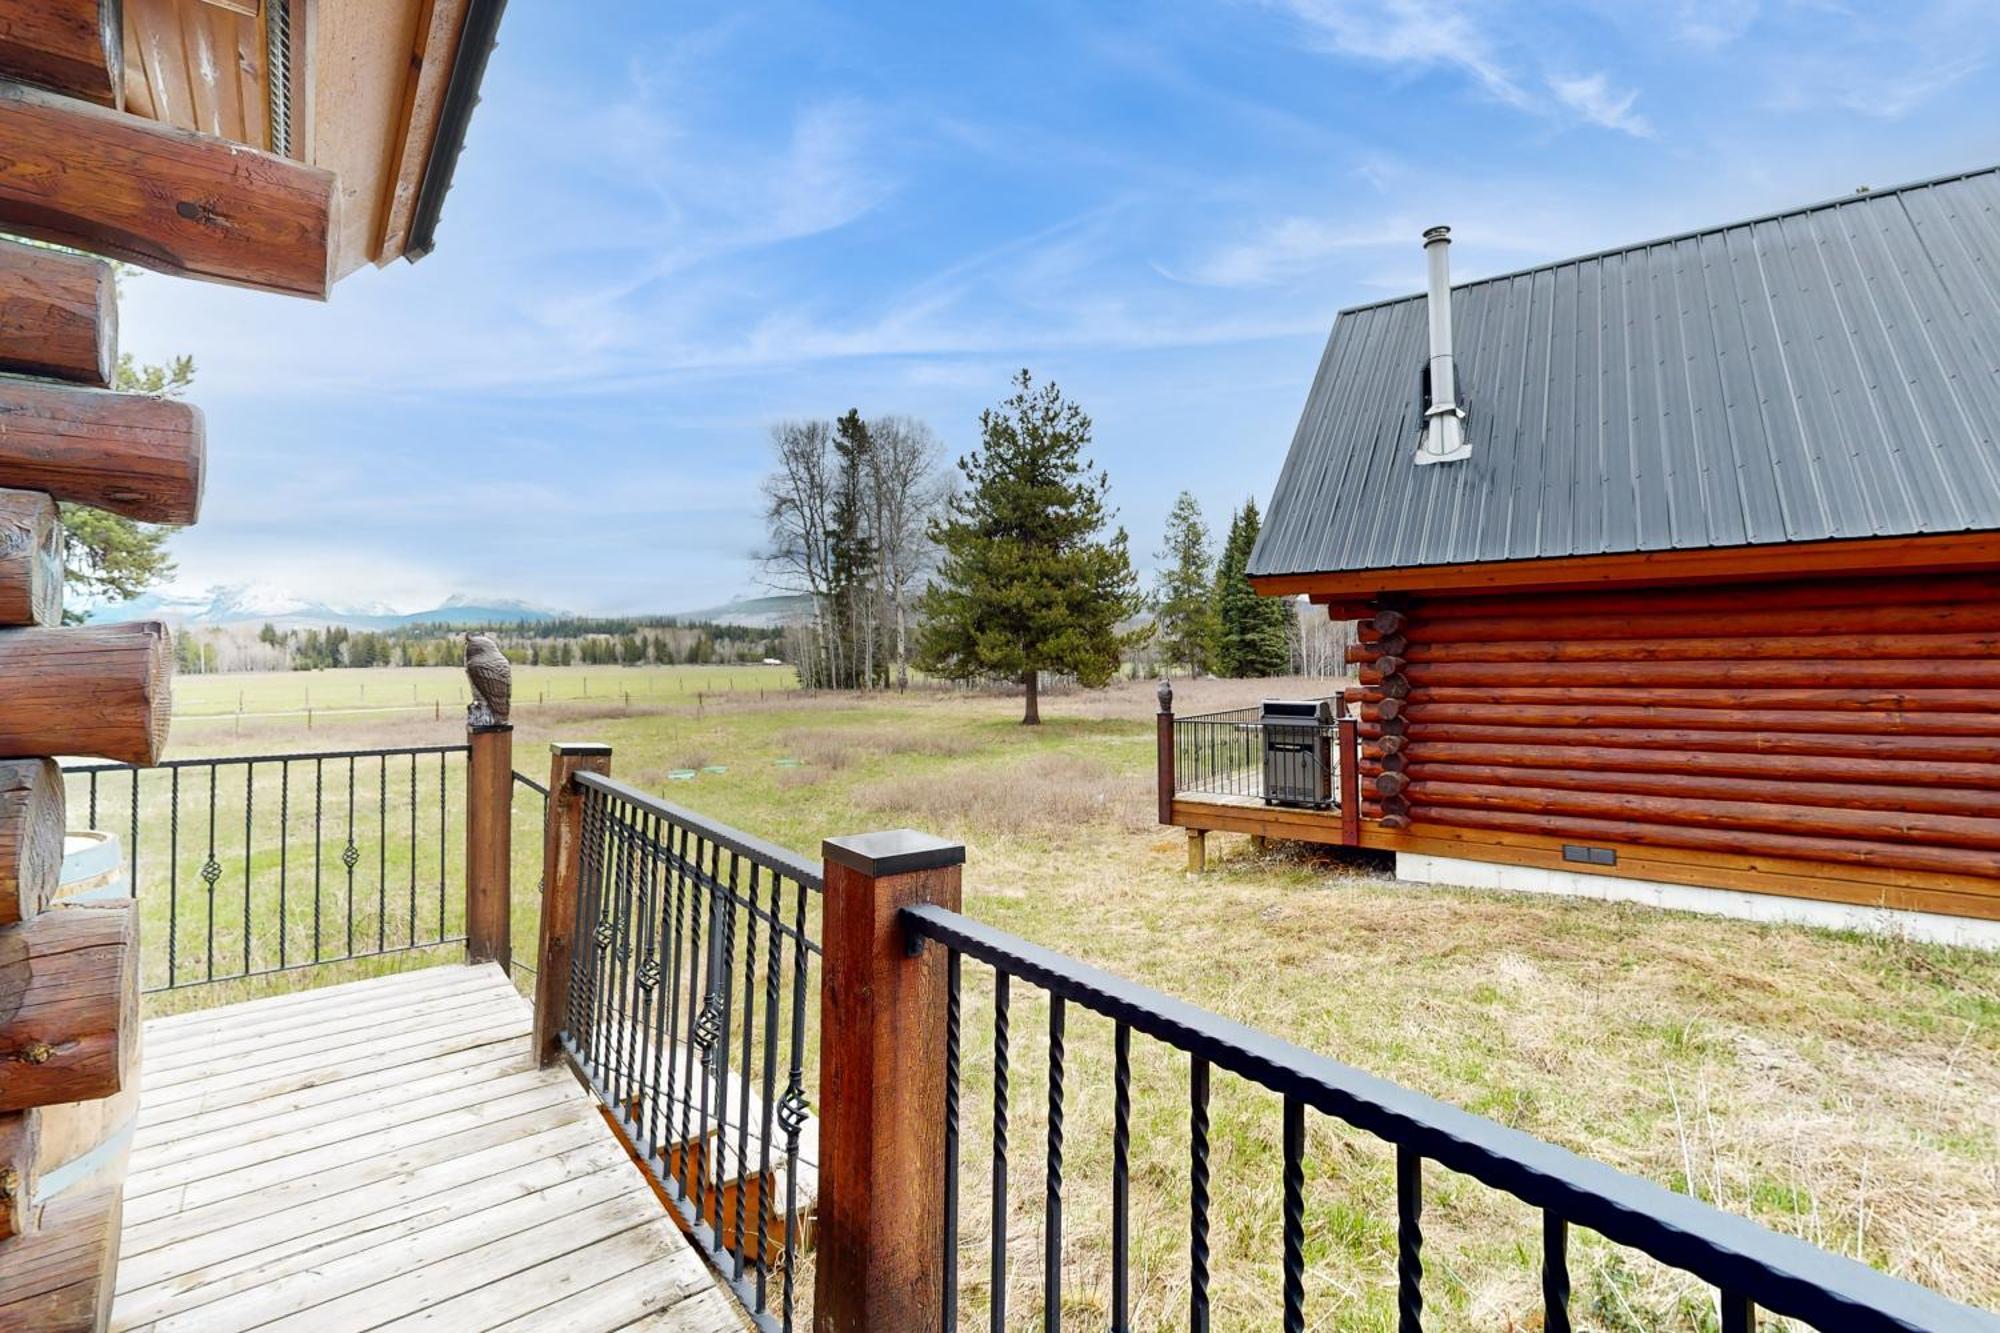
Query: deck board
{"points": [[384, 1154]]}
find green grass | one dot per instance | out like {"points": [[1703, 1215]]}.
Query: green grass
{"points": [[1839, 1087]]}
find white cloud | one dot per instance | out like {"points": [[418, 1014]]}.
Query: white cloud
{"points": [[1411, 32], [1713, 24], [1592, 97]]}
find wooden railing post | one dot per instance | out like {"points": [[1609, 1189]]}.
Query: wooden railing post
{"points": [[562, 847], [882, 1086], [489, 844], [1164, 745], [1350, 781]]}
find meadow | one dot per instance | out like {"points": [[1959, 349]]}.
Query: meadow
{"points": [[1841, 1087]]}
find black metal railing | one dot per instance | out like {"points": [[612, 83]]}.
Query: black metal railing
{"points": [[1749, 1266], [688, 1007], [529, 809], [251, 865], [1238, 753]]}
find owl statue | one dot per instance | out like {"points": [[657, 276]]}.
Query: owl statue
{"points": [[492, 682]]}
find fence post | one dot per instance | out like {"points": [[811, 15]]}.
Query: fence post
{"points": [[1350, 781], [562, 848], [882, 1086], [489, 844], [1164, 745]]}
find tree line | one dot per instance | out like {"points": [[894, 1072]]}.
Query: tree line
{"points": [[1207, 617]]}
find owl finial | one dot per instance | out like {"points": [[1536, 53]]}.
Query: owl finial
{"points": [[492, 681]]}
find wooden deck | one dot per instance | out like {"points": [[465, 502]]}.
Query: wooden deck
{"points": [[385, 1154]]}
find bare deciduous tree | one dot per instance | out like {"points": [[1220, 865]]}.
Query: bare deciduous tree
{"points": [[905, 490]]}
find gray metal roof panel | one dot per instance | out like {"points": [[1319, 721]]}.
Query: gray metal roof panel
{"points": [[1828, 372]]}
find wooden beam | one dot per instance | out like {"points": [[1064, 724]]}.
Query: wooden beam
{"points": [[562, 846], [31, 836], [164, 198], [20, 1152], [59, 1280], [73, 47], [1858, 555], [103, 690], [131, 453], [31, 548], [489, 856], [69, 1005], [58, 315]]}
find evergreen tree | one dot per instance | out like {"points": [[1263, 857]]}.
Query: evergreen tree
{"points": [[851, 557], [1250, 634], [1184, 606], [1027, 582]]}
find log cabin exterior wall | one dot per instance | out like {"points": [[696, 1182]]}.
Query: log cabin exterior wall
{"points": [[1849, 729]]}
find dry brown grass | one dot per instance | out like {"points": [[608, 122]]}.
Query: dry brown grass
{"points": [[1040, 796]]}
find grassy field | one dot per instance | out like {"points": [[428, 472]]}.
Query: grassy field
{"points": [[1842, 1088]]}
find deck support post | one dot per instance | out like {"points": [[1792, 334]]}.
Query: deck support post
{"points": [[1164, 745], [562, 850], [1197, 850], [1350, 780], [489, 845], [883, 1014]]}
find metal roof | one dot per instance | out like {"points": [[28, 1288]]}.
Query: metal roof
{"points": [[1829, 372]]}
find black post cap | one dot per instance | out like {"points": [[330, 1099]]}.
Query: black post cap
{"points": [[900, 851]]}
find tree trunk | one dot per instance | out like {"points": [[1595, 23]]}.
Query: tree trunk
{"points": [[1031, 684], [902, 646]]}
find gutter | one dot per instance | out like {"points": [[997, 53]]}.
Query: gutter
{"points": [[468, 70]]}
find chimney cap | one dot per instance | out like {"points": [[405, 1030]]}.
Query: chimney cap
{"points": [[1438, 233]]}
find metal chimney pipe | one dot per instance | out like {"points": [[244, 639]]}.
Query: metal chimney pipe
{"points": [[1444, 422]]}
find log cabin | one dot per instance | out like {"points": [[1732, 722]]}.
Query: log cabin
{"points": [[1675, 569], [273, 144]]}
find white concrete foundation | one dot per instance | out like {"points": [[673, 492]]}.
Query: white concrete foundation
{"points": [[1928, 927]]}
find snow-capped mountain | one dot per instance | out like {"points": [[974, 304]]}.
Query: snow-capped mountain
{"points": [[261, 603]]}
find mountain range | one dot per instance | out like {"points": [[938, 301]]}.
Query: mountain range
{"points": [[259, 603]]}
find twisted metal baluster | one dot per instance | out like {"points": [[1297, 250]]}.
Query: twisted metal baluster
{"points": [[413, 856], [1001, 987], [1739, 1312], [1555, 1273], [211, 871], [1121, 1184], [350, 856], [443, 841], [743, 1065], [646, 1123], [949, 1257], [793, 1107], [319, 811], [1295, 1215], [679, 1084], [773, 960], [1198, 1195], [721, 989], [382, 856], [1409, 1241], [1052, 1204]]}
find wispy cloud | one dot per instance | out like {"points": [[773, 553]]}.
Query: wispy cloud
{"points": [[1592, 97], [1416, 33]]}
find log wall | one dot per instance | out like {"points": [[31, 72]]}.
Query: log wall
{"points": [[1846, 723]]}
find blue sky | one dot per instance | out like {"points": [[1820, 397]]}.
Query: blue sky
{"points": [[730, 214]]}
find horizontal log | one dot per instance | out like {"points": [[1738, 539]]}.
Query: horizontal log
{"points": [[1596, 717], [69, 1005], [1804, 672], [73, 47], [1970, 614], [164, 198], [1814, 821], [31, 836], [1856, 699], [60, 1279], [1711, 648], [1768, 598], [20, 1154], [31, 571], [58, 315], [1388, 622], [130, 453], [1954, 749], [1745, 842], [99, 690], [1719, 763], [1885, 795]]}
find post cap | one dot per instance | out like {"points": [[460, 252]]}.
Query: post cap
{"points": [[900, 851], [578, 747]]}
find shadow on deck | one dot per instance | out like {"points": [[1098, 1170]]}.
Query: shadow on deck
{"points": [[386, 1154]]}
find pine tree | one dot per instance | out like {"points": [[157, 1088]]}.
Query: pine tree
{"points": [[1250, 635], [1027, 581], [851, 558], [1184, 606]]}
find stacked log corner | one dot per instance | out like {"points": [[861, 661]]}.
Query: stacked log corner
{"points": [[69, 972], [1844, 734]]}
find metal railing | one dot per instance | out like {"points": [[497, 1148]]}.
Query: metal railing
{"points": [[250, 865], [1749, 1266], [1234, 752], [690, 993]]}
